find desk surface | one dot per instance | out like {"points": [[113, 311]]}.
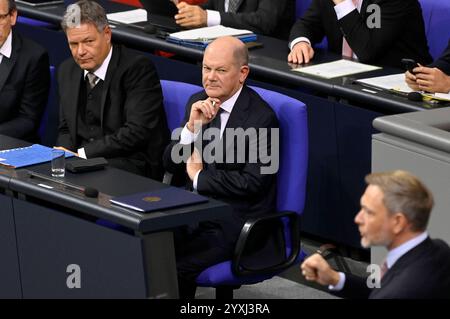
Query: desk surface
{"points": [[109, 182], [269, 62]]}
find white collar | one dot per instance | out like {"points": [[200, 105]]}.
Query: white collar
{"points": [[395, 254], [228, 105], [101, 71], [6, 48]]}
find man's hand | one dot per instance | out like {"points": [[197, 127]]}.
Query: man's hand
{"points": [[411, 81], [190, 16], [315, 268], [302, 52], [194, 164], [429, 79], [65, 149], [202, 112]]}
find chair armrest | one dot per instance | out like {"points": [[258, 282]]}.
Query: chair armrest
{"points": [[294, 224]]}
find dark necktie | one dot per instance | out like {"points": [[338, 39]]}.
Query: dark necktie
{"points": [[92, 80], [233, 5]]}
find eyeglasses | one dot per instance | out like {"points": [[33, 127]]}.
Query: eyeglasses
{"points": [[3, 17]]}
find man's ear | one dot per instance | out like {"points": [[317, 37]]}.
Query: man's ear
{"points": [[400, 223], [245, 70], [13, 17], [108, 34]]}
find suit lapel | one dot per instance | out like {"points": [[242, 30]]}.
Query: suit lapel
{"points": [[113, 63], [7, 64], [239, 114]]}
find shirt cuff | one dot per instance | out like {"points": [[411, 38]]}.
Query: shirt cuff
{"points": [[194, 182], [212, 18], [297, 40], [187, 137], [82, 153], [344, 8], [340, 285]]}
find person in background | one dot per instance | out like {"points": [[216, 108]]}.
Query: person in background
{"points": [[267, 17], [110, 98], [434, 78], [24, 79], [352, 29]]}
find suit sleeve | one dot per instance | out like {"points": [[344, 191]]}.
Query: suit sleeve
{"points": [[244, 182], [33, 98], [64, 139], [369, 43], [142, 111], [443, 63], [310, 25], [264, 20], [354, 288]]}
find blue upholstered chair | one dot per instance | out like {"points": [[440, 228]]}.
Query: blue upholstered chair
{"points": [[437, 24], [48, 129], [176, 96], [231, 274]]}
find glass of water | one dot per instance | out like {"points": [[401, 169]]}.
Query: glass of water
{"points": [[58, 163]]}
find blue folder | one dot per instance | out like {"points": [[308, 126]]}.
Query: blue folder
{"points": [[25, 156], [160, 199]]}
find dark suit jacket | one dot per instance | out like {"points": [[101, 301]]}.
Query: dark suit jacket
{"points": [[250, 193], [24, 86], [443, 63], [266, 17], [401, 35], [422, 273], [132, 116]]}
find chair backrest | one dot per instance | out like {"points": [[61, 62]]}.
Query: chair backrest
{"points": [[436, 15], [300, 7], [176, 96], [48, 128], [292, 171]]}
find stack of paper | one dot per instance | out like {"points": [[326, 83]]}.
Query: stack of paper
{"points": [[128, 17], [397, 83], [201, 37], [336, 69], [25, 156]]}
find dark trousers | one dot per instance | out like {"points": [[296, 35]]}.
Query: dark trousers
{"points": [[197, 248]]}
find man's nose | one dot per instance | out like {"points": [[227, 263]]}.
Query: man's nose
{"points": [[359, 217], [81, 49]]}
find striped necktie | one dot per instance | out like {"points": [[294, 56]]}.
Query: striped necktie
{"points": [[233, 5]]}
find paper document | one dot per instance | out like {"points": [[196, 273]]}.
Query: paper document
{"points": [[336, 69], [394, 82], [128, 17], [444, 97], [208, 33]]}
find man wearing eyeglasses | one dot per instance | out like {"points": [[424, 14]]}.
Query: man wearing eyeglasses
{"points": [[24, 79]]}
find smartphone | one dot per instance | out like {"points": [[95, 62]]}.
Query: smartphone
{"points": [[409, 64]]}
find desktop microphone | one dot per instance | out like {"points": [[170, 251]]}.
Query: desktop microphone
{"points": [[415, 96], [90, 192]]}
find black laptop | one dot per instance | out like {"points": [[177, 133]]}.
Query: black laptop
{"points": [[160, 14]]}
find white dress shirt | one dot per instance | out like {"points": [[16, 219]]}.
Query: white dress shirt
{"points": [[6, 48], [391, 258], [187, 137], [213, 16], [341, 9], [100, 73]]}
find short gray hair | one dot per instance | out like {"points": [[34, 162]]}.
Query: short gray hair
{"points": [[89, 12], [404, 193], [11, 6]]}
